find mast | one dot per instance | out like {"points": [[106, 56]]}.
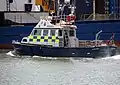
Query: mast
{"points": [[8, 5], [94, 10]]}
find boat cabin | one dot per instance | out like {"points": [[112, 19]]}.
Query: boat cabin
{"points": [[59, 35]]}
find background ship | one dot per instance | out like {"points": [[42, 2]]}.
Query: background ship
{"points": [[92, 16]]}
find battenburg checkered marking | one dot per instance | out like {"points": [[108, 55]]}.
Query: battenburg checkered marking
{"points": [[43, 39]]}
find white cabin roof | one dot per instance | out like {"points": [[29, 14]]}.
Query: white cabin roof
{"points": [[46, 24]]}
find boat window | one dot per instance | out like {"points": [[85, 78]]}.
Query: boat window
{"points": [[45, 32], [24, 40], [36, 32], [60, 32], [71, 33], [52, 5], [33, 32], [52, 33]]}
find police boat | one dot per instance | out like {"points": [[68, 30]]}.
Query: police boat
{"points": [[60, 40]]}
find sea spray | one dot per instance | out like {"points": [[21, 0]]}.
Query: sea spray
{"points": [[10, 53], [112, 57]]}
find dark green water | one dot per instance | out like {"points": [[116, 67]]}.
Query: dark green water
{"points": [[44, 71]]}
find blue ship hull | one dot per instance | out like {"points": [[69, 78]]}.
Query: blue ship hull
{"points": [[9, 33], [44, 51], [86, 30]]}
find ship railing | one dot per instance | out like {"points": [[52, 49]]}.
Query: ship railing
{"points": [[99, 16], [92, 43], [24, 17], [90, 17], [58, 18]]}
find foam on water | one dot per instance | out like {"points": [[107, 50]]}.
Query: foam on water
{"points": [[86, 71], [10, 53], [112, 57], [36, 56], [52, 58]]}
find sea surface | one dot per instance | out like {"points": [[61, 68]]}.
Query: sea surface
{"points": [[58, 71]]}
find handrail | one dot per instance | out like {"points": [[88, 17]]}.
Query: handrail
{"points": [[96, 37], [91, 16], [21, 17], [99, 16]]}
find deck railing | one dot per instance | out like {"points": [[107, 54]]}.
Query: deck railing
{"points": [[35, 17], [92, 43], [21, 17], [99, 16]]}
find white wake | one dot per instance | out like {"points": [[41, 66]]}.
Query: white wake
{"points": [[52, 58], [10, 53], [112, 57]]}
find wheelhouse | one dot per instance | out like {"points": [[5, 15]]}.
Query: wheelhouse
{"points": [[52, 35]]}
